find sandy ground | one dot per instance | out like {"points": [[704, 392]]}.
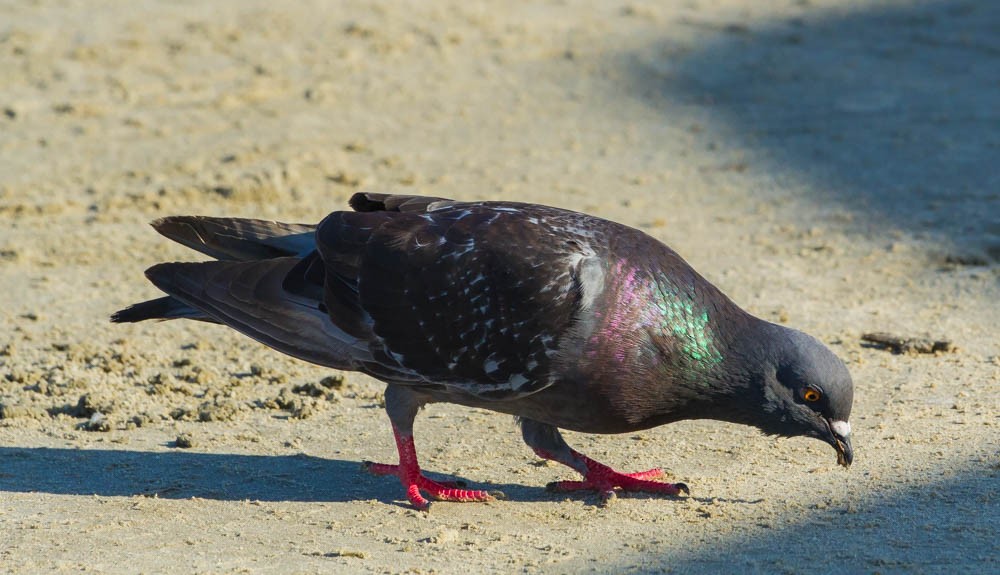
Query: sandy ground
{"points": [[831, 165]]}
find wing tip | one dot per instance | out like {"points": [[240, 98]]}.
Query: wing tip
{"points": [[173, 227], [157, 271], [164, 275]]}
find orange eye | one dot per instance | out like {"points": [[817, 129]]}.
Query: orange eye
{"points": [[811, 394]]}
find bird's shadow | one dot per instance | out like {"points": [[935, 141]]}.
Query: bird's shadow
{"points": [[221, 476], [183, 474]]}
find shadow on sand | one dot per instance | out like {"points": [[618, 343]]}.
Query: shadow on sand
{"points": [[947, 526], [221, 476], [892, 112]]}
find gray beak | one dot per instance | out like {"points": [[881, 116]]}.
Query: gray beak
{"points": [[841, 431]]}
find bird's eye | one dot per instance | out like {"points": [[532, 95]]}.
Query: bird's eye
{"points": [[811, 394]]}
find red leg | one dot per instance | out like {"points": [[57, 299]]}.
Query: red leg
{"points": [[414, 481], [605, 480]]}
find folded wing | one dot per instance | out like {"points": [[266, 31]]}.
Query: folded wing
{"points": [[475, 297]]}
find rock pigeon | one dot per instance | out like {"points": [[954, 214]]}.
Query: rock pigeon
{"points": [[562, 319]]}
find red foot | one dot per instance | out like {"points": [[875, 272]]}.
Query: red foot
{"points": [[605, 480], [409, 474], [414, 481]]}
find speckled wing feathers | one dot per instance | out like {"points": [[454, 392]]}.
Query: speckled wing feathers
{"points": [[473, 297]]}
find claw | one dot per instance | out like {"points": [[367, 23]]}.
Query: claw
{"points": [[608, 497], [608, 482]]}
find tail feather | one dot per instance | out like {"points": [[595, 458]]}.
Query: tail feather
{"points": [[160, 308], [238, 239], [248, 297]]}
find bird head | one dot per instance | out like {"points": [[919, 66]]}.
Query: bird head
{"points": [[807, 391]]}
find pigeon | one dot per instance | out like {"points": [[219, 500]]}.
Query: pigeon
{"points": [[561, 319]]}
